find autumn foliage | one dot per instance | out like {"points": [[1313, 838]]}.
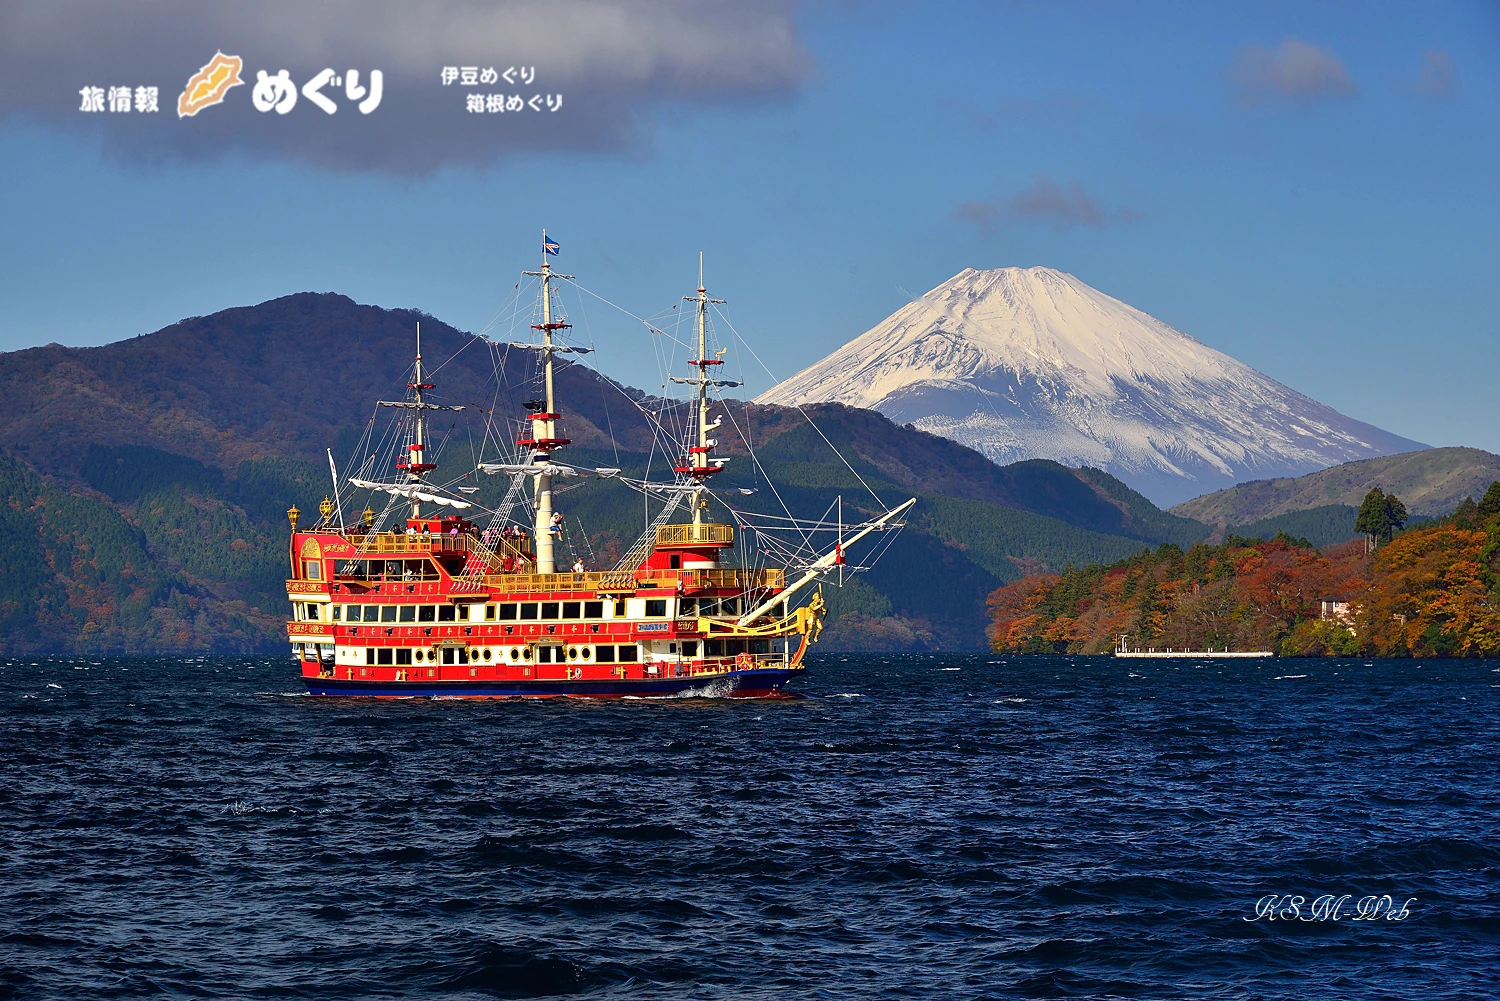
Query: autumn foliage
{"points": [[1432, 591]]}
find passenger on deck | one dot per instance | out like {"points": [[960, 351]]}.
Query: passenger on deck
{"points": [[578, 565]]}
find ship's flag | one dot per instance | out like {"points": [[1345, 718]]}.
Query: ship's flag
{"points": [[550, 245]]}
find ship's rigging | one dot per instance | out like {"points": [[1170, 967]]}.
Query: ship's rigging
{"points": [[686, 433]]}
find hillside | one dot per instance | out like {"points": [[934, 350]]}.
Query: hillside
{"points": [[1432, 591], [1027, 363], [184, 448], [1431, 482]]}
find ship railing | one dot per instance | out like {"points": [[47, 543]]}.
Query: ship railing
{"points": [[626, 580], [679, 535], [423, 543]]}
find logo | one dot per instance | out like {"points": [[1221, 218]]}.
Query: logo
{"points": [[208, 86]]}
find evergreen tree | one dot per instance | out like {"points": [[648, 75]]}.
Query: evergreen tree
{"points": [[1380, 515], [1490, 505]]}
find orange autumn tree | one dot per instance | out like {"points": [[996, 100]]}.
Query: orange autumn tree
{"points": [[1432, 591]]}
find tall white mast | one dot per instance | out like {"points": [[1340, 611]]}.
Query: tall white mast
{"points": [[418, 452], [544, 425]]}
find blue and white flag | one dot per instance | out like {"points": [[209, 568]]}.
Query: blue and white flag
{"points": [[550, 245]]}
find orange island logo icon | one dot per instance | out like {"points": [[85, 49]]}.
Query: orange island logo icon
{"points": [[209, 85]]}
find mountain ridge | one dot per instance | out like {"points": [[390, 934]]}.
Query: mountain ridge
{"points": [[194, 439], [1431, 482]]}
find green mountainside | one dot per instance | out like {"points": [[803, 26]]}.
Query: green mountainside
{"points": [[1432, 482], [146, 489]]}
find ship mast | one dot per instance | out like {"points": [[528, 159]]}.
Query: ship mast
{"points": [[416, 464], [699, 466], [543, 438]]}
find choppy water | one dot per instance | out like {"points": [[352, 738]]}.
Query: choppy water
{"points": [[914, 827]]}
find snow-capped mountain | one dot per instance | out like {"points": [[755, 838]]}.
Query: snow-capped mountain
{"points": [[1024, 363]]}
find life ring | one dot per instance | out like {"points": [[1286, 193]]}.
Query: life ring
{"points": [[743, 661]]}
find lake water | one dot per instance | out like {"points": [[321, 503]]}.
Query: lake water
{"points": [[923, 826]]}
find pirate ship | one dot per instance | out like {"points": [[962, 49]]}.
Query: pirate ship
{"points": [[436, 605]]}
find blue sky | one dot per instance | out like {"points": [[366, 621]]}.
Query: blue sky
{"points": [[1310, 188]]}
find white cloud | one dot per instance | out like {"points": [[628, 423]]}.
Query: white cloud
{"points": [[1294, 69], [609, 59]]}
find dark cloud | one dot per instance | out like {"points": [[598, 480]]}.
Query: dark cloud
{"points": [[1294, 70], [1436, 77], [609, 59], [1045, 201]]}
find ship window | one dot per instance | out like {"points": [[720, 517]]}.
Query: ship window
{"points": [[549, 609], [462, 655], [733, 647], [671, 648], [584, 653], [335, 610], [489, 613], [515, 654], [572, 610], [312, 569], [544, 655], [408, 613], [426, 613], [351, 613], [729, 606], [526, 653], [628, 654], [446, 613], [383, 655], [656, 607], [393, 568], [593, 609], [312, 611], [486, 653], [447, 655], [713, 648], [403, 656], [604, 654], [760, 646], [674, 562], [369, 655], [687, 606], [778, 610], [508, 611], [387, 614], [528, 609], [572, 653], [690, 648]]}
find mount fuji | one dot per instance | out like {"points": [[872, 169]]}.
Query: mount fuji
{"points": [[1031, 363]]}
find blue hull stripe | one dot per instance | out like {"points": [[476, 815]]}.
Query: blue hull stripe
{"points": [[743, 684]]}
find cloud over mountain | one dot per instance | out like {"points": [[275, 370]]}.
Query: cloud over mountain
{"points": [[609, 59]]}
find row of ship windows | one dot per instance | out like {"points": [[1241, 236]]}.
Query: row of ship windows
{"points": [[513, 611], [625, 653]]}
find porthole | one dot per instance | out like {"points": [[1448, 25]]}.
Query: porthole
{"points": [[572, 653], [515, 654], [417, 655], [486, 653], [526, 653], [585, 653]]}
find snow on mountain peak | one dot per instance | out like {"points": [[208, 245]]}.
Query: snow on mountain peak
{"points": [[1033, 363]]}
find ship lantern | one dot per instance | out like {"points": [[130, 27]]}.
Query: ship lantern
{"points": [[325, 508], [368, 516], [292, 514]]}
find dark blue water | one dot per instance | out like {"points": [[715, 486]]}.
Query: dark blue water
{"points": [[914, 827]]}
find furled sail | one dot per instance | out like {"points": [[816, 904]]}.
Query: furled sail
{"points": [[411, 493]]}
